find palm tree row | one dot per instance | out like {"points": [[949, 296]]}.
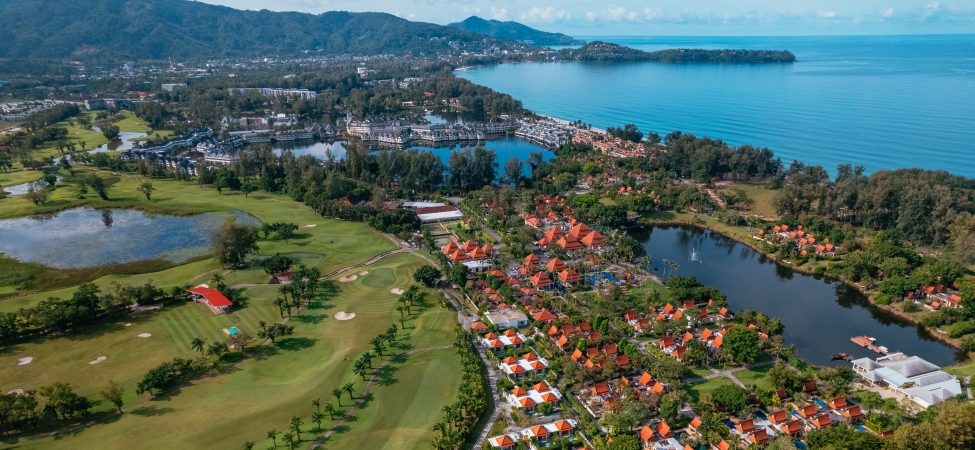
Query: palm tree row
{"points": [[303, 286], [459, 418]]}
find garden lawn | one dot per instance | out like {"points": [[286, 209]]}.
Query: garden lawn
{"points": [[694, 391], [757, 376], [266, 390]]}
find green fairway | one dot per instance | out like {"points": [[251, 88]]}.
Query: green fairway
{"points": [[380, 278], [264, 391]]}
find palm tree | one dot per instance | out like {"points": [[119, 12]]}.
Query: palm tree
{"points": [[273, 436], [249, 445], [367, 357], [378, 347], [337, 393], [279, 302], [317, 403], [296, 426], [359, 368], [289, 440], [198, 344], [349, 388], [318, 417], [330, 410], [400, 309]]}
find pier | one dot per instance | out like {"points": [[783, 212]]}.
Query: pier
{"points": [[867, 342]]}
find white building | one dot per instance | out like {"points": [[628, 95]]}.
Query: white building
{"points": [[909, 376], [507, 318]]}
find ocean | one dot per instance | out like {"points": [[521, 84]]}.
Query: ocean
{"points": [[883, 102]]}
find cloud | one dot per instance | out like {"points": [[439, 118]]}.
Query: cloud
{"points": [[889, 12], [930, 10], [826, 14], [499, 14], [544, 14], [653, 13], [613, 14]]}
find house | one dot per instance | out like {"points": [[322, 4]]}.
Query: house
{"points": [[593, 239], [507, 318], [479, 326], [909, 377], [217, 302], [509, 338], [533, 221], [528, 399], [553, 234], [821, 420], [792, 428], [436, 214], [352, 200], [529, 363], [543, 315], [569, 243], [555, 265], [569, 277], [504, 442], [542, 282]]}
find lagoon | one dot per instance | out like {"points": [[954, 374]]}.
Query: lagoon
{"points": [[883, 102], [820, 314], [86, 237]]}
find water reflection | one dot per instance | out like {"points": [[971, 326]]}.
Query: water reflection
{"points": [[820, 314]]}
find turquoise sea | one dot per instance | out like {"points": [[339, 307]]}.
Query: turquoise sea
{"points": [[883, 102]]}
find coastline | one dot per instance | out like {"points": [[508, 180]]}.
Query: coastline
{"points": [[934, 334]]}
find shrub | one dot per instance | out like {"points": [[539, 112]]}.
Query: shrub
{"points": [[962, 329]]}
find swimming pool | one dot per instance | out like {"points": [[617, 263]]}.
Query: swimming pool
{"points": [[821, 403], [232, 330]]}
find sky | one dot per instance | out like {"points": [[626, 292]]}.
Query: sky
{"points": [[670, 17]]}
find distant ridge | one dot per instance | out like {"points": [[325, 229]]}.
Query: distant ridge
{"points": [[514, 31], [606, 51], [160, 29]]}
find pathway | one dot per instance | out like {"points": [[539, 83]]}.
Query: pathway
{"points": [[728, 373], [365, 391], [365, 263], [968, 387], [493, 380]]}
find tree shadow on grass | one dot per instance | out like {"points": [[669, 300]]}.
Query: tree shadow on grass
{"points": [[384, 377], [152, 411], [341, 429], [310, 318], [295, 344], [9, 350], [327, 290], [369, 398]]}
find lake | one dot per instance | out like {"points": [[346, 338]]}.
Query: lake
{"points": [[883, 102], [506, 147], [86, 237], [820, 315]]}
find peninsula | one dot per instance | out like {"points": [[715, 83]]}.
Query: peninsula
{"points": [[605, 51]]}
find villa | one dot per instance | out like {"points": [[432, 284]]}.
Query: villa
{"points": [[217, 302], [909, 377]]}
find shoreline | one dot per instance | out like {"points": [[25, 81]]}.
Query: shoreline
{"points": [[934, 334]]}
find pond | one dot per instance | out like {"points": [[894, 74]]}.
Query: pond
{"points": [[125, 141], [21, 189], [820, 314], [86, 237]]}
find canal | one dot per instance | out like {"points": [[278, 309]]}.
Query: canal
{"points": [[820, 314]]}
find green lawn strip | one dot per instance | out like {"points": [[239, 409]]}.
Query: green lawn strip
{"points": [[963, 370], [694, 391], [700, 372]]}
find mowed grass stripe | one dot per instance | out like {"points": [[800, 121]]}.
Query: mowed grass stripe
{"points": [[191, 323], [168, 323]]}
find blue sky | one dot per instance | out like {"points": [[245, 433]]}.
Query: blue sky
{"points": [[670, 17]]}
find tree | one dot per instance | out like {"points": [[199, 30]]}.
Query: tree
{"points": [[249, 445], [273, 436], [317, 418], [146, 189], [36, 194], [350, 389], [458, 274], [111, 132], [97, 184], [113, 394], [742, 343], [337, 393], [624, 442], [732, 397], [289, 439], [277, 264], [317, 403], [286, 231], [427, 275], [232, 243], [247, 188], [330, 410], [628, 132], [296, 423], [239, 340], [513, 169]]}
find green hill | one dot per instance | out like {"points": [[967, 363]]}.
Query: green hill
{"points": [[514, 31], [605, 51], [180, 29]]}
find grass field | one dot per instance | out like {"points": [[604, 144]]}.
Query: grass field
{"points": [[694, 391], [264, 391], [762, 198], [963, 370], [757, 376]]}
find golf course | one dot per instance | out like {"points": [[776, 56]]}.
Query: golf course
{"points": [[263, 389]]}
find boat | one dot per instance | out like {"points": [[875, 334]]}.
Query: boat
{"points": [[842, 357]]}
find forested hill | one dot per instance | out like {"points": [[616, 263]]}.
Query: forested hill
{"points": [[181, 29], [514, 31], [605, 51]]}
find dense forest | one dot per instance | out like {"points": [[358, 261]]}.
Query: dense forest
{"points": [[605, 51], [180, 29], [514, 31]]}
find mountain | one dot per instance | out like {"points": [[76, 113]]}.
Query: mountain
{"points": [[513, 31], [181, 29], [605, 51]]}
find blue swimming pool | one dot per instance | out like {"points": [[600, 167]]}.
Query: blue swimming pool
{"points": [[232, 330], [821, 403], [760, 415]]}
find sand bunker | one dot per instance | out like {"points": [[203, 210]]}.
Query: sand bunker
{"points": [[348, 278], [97, 360], [144, 335], [25, 360], [128, 324], [311, 225], [397, 291], [16, 391], [342, 315], [363, 272]]}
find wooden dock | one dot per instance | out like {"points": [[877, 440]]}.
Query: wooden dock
{"points": [[866, 342]]}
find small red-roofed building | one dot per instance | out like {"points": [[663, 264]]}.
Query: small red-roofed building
{"points": [[569, 277], [808, 411], [503, 442], [532, 259], [479, 326], [555, 265], [759, 437], [778, 417], [821, 421], [541, 281], [217, 302], [593, 240], [792, 428]]}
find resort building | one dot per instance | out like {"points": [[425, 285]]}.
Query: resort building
{"points": [[529, 364], [438, 214], [507, 318], [217, 302], [528, 400], [510, 338], [910, 377]]}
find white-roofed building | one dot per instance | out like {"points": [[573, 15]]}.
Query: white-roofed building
{"points": [[438, 214], [507, 318], [909, 376]]}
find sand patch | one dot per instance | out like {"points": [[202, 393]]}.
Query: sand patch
{"points": [[16, 391], [311, 225], [97, 360], [363, 272], [25, 360], [144, 335], [348, 278], [397, 291], [128, 324], [342, 315]]}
